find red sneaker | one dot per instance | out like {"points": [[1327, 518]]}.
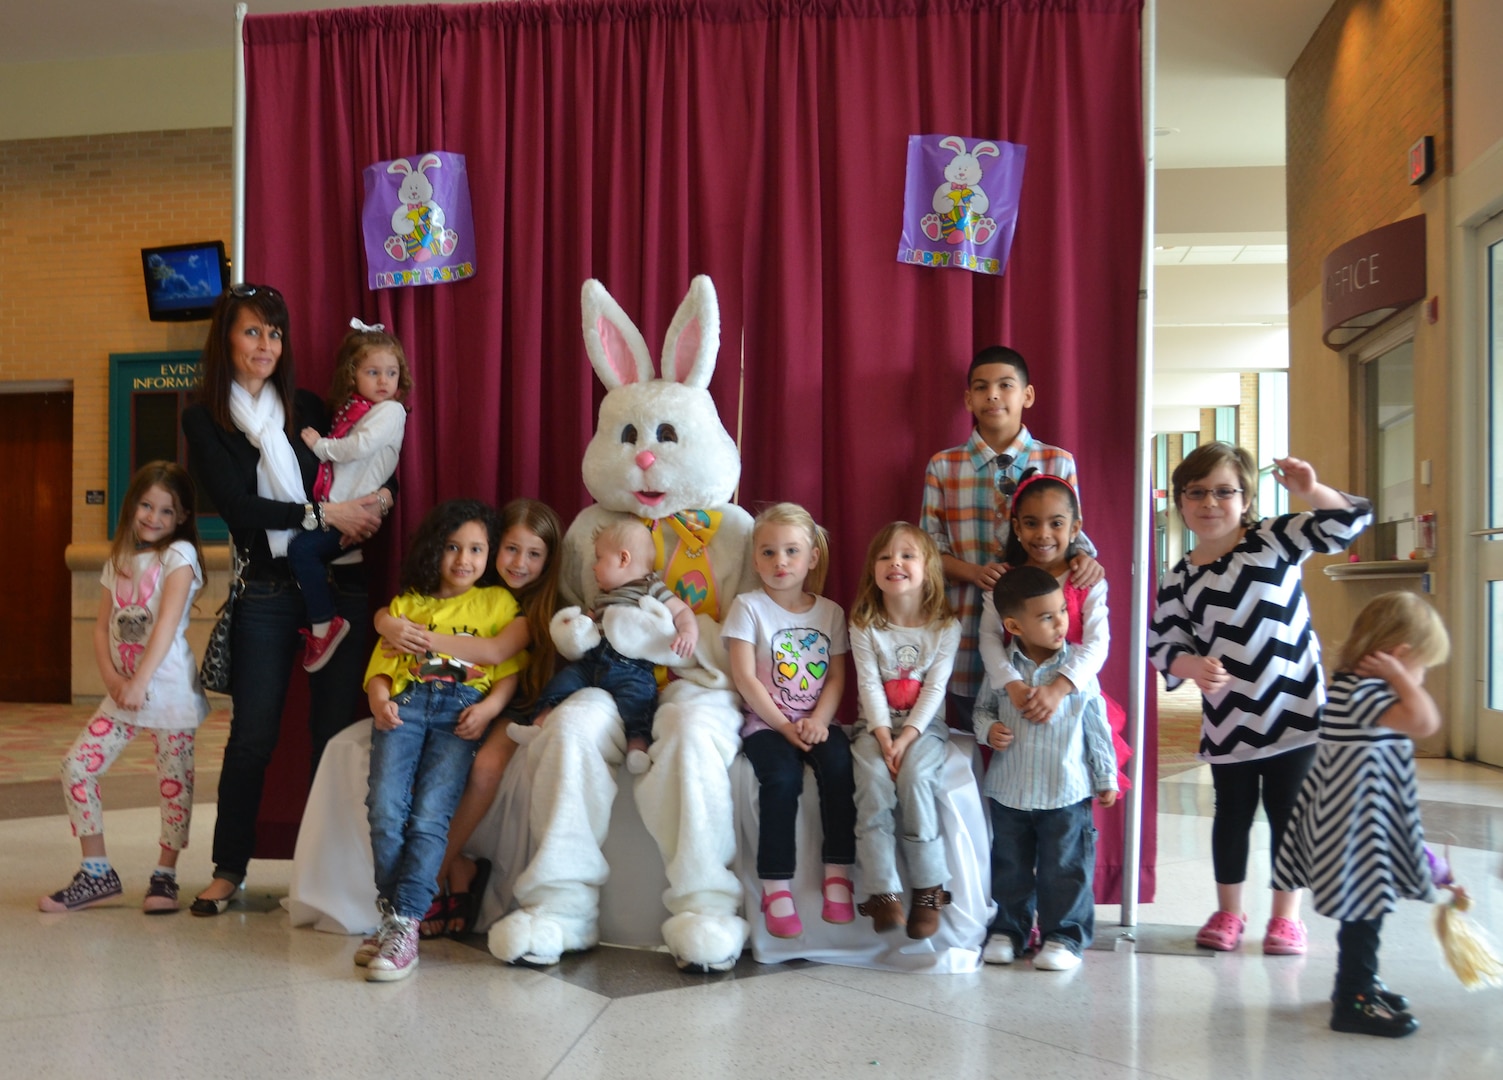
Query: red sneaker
{"points": [[320, 650]]}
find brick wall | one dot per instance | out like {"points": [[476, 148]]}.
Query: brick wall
{"points": [[1373, 79], [74, 214], [1247, 417]]}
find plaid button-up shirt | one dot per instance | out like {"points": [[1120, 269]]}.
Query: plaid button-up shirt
{"points": [[967, 507]]}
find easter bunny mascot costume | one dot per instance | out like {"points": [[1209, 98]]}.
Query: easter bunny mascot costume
{"points": [[660, 454]]}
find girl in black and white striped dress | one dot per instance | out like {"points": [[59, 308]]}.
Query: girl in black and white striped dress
{"points": [[1232, 618], [1355, 838]]}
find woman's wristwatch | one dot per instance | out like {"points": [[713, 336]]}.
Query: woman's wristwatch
{"points": [[310, 517]]}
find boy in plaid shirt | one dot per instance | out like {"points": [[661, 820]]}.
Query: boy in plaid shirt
{"points": [[968, 504]]}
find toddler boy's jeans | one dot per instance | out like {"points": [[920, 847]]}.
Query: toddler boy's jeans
{"points": [[1050, 854]]}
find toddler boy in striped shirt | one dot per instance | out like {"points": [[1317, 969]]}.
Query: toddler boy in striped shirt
{"points": [[1040, 784]]}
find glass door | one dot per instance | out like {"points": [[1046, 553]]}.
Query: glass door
{"points": [[1489, 530]]}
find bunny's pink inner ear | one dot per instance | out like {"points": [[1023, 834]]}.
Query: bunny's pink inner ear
{"points": [[617, 351], [685, 350]]}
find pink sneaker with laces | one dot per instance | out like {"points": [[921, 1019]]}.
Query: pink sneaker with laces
{"points": [[1284, 937], [1222, 931]]}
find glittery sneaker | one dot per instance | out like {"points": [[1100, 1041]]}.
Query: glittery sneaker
{"points": [[371, 946], [85, 890], [161, 895], [398, 957]]}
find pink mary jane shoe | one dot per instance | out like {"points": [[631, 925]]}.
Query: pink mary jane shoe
{"points": [[781, 926]]}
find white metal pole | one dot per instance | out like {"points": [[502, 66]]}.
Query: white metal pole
{"points": [[237, 159], [1137, 682]]}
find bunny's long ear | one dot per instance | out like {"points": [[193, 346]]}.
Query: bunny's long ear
{"points": [[693, 338], [617, 352], [952, 142], [989, 149], [429, 161], [401, 165]]}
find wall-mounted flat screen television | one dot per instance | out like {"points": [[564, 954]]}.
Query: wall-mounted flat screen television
{"points": [[184, 280]]}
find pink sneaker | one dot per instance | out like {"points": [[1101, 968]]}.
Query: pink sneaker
{"points": [[320, 650], [1284, 937], [398, 957], [1222, 931], [781, 926]]}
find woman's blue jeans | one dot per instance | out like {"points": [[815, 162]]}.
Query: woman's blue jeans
{"points": [[265, 647], [418, 773]]}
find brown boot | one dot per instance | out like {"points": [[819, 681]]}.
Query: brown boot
{"points": [[923, 912], [885, 911]]}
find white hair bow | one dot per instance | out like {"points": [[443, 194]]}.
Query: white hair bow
{"points": [[378, 328]]}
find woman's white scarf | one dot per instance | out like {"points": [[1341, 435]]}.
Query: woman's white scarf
{"points": [[263, 421]]}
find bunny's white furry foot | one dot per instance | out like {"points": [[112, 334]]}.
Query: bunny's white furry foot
{"points": [[527, 939], [704, 943], [396, 248], [930, 224], [984, 229]]}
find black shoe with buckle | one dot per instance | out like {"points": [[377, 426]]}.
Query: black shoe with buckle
{"points": [[1368, 1014]]}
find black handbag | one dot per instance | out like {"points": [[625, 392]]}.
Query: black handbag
{"points": [[214, 672]]}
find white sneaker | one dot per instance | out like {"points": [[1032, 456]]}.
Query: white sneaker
{"points": [[999, 950], [1055, 957]]}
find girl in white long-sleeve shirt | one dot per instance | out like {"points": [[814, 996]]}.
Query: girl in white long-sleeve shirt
{"points": [[903, 640]]}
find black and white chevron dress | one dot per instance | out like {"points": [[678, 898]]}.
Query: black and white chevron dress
{"points": [[1248, 609], [1355, 838]]}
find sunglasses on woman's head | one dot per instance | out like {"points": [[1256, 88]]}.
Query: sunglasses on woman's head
{"points": [[242, 290]]}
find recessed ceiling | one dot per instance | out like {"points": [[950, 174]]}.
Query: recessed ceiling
{"points": [[1221, 63]]}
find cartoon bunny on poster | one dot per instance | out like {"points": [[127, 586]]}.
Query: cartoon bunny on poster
{"points": [[417, 224], [659, 454]]}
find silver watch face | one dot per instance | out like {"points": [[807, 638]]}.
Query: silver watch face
{"points": [[310, 519]]}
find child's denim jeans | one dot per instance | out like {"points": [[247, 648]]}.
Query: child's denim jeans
{"points": [[418, 773]]}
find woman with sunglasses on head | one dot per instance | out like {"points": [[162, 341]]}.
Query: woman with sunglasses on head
{"points": [[245, 453], [1232, 618]]}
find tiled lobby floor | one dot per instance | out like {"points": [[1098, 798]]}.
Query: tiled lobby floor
{"points": [[112, 993]]}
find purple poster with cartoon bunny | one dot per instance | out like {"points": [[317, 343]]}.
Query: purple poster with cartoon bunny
{"points": [[960, 202], [416, 222]]}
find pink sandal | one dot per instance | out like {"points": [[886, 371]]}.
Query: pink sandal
{"points": [[781, 926], [838, 911], [1222, 931]]}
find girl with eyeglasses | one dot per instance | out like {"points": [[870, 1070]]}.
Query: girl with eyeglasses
{"points": [[245, 453], [1231, 617]]}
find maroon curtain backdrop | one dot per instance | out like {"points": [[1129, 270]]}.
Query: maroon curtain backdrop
{"points": [[761, 142]]}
